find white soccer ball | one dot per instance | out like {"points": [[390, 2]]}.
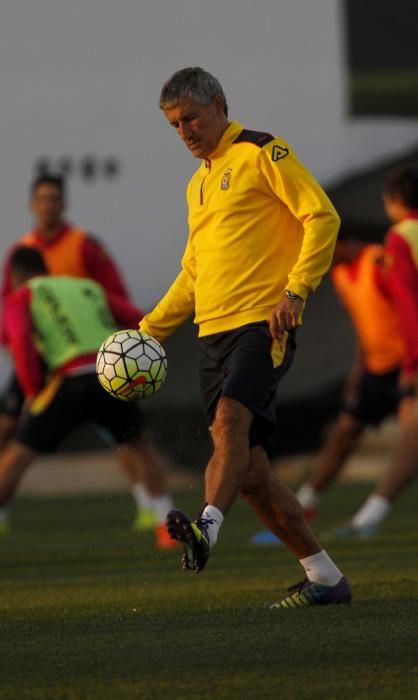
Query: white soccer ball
{"points": [[131, 365]]}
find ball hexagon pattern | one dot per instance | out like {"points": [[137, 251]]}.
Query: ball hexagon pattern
{"points": [[131, 365]]}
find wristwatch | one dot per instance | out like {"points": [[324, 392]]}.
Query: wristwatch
{"points": [[291, 295]]}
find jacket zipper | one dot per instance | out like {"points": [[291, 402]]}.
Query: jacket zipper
{"points": [[208, 166]]}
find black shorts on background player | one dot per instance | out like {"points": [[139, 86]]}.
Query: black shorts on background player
{"points": [[12, 398], [238, 364], [375, 398], [68, 401]]}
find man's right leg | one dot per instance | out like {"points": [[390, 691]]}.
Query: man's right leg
{"points": [[277, 507]]}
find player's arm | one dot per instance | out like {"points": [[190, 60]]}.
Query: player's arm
{"points": [[5, 290], [101, 267], [177, 304], [401, 278], [19, 337], [296, 187], [6, 283]]}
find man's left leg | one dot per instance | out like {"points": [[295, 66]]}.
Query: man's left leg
{"points": [[278, 508]]}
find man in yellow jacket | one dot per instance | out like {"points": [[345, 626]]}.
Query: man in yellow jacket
{"points": [[261, 236]]}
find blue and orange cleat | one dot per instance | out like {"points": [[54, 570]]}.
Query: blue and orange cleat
{"points": [[193, 536], [307, 593]]}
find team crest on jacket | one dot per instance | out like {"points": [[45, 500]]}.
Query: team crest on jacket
{"points": [[225, 179], [279, 152]]}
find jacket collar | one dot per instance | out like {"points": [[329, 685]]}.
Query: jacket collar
{"points": [[229, 135]]}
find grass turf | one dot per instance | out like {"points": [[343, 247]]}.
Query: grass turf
{"points": [[91, 611]]}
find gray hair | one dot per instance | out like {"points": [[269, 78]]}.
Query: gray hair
{"points": [[196, 83]]}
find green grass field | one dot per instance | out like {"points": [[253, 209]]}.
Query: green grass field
{"points": [[91, 611]]}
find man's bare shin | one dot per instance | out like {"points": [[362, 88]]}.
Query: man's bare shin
{"points": [[228, 466], [277, 507]]}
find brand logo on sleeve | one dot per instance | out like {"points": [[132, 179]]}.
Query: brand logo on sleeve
{"points": [[279, 152], [226, 179]]}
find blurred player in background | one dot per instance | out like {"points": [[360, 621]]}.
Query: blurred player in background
{"points": [[66, 250], [399, 278], [372, 390], [53, 327], [261, 235]]}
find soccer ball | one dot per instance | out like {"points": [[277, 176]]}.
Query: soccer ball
{"points": [[131, 365]]}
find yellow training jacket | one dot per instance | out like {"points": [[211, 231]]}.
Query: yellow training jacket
{"points": [[258, 223]]}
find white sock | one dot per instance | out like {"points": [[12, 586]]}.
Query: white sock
{"points": [[161, 505], [372, 512], [215, 518], [307, 496], [141, 496], [321, 569]]}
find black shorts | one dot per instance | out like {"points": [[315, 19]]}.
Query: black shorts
{"points": [[246, 365], [376, 397], [12, 398], [68, 401]]}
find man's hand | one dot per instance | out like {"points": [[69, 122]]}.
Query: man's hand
{"points": [[285, 316]]}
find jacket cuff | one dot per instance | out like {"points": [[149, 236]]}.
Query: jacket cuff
{"points": [[300, 289]]}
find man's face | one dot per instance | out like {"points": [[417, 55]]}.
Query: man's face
{"points": [[47, 206], [394, 207], [199, 126]]}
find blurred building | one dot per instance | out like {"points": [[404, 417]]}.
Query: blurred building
{"points": [[80, 83]]}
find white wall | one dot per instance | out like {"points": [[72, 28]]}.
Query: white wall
{"points": [[84, 77]]}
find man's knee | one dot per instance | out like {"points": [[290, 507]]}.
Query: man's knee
{"points": [[232, 422]]}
